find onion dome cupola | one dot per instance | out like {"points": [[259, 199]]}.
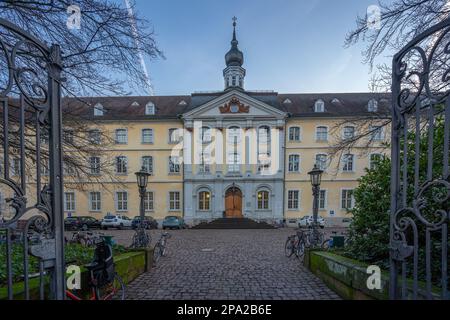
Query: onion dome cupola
{"points": [[234, 73]]}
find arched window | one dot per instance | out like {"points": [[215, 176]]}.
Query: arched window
{"points": [[234, 135], [149, 109], [319, 106], [204, 201], [98, 110], [263, 200]]}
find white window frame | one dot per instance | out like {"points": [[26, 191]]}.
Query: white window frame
{"points": [[299, 134], [325, 167], [73, 202], [298, 200], [116, 138], [376, 133], [174, 165], [144, 136], [149, 204], [178, 135], [174, 201], [299, 163], [94, 138], [318, 139], [124, 202], [199, 199], [325, 200], [344, 133], [205, 135], [345, 162], [370, 158], [117, 163], [234, 166], [262, 200], [151, 162], [97, 165], [97, 201], [319, 106], [99, 111], [230, 137], [372, 105], [150, 109], [342, 198]]}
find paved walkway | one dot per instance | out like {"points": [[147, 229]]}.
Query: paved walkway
{"points": [[228, 264]]}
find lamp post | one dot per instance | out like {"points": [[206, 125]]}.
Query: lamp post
{"points": [[316, 177], [141, 239]]}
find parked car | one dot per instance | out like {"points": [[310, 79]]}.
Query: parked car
{"points": [[116, 221], [173, 222], [307, 221], [149, 222], [81, 223], [346, 222]]}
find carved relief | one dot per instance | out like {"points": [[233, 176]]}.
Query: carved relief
{"points": [[234, 106]]}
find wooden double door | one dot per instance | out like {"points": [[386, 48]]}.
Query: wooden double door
{"points": [[233, 203]]}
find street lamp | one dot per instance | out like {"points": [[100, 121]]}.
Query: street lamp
{"points": [[316, 177], [141, 239]]}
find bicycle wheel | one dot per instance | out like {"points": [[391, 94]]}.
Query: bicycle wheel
{"points": [[156, 253], [300, 250], [112, 291], [326, 244], [289, 247]]}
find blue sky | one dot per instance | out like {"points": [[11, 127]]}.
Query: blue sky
{"points": [[290, 46]]}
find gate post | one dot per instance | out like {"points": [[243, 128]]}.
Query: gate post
{"points": [[56, 177]]}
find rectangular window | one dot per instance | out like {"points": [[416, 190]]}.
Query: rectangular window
{"points": [[294, 134], [148, 201], [347, 199], [122, 201], [322, 134], [15, 167], [147, 135], [68, 169], [69, 201], [174, 164], [349, 132], [147, 163], [205, 135], [322, 199], [376, 133], [293, 199], [95, 201], [121, 165], [94, 164], [322, 161], [205, 162], [174, 135], [121, 136], [294, 163], [263, 200], [348, 160], [174, 201], [374, 159], [234, 160], [94, 136], [204, 201]]}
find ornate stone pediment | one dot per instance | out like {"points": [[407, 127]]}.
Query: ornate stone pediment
{"points": [[234, 106]]}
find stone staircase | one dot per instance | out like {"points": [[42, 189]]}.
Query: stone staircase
{"points": [[233, 223]]}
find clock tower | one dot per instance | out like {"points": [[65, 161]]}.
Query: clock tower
{"points": [[234, 73]]}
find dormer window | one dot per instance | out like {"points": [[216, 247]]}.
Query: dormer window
{"points": [[150, 109], [182, 103], [135, 104], [335, 100], [372, 106], [98, 110], [287, 101], [319, 106]]}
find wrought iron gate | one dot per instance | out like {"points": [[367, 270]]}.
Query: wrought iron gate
{"points": [[420, 181], [31, 186]]}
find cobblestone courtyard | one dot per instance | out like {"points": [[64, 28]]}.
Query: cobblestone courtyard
{"points": [[226, 264]]}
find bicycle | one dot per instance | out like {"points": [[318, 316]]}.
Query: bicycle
{"points": [[160, 247], [104, 282], [141, 239], [297, 244], [86, 238]]}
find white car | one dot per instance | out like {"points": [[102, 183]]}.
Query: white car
{"points": [[116, 221], [307, 221]]}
